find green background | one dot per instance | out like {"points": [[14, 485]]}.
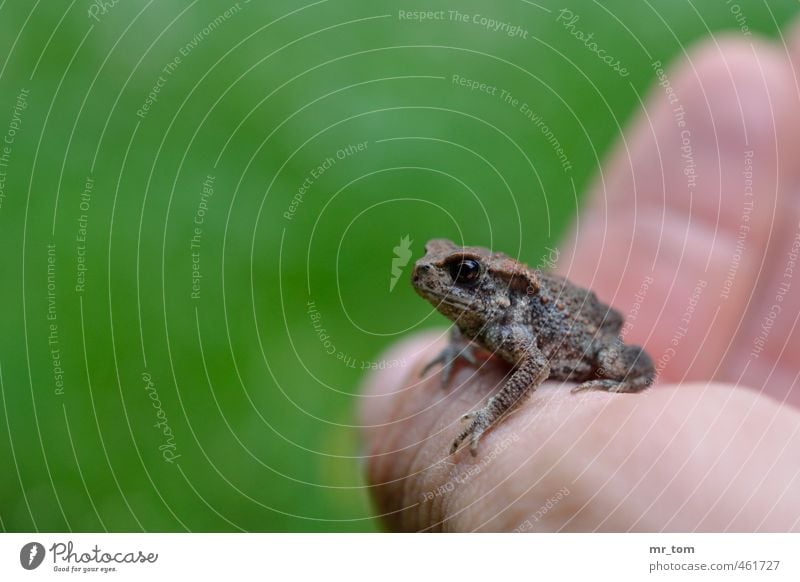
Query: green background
{"points": [[263, 417]]}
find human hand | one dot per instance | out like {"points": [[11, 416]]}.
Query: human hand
{"points": [[698, 258]]}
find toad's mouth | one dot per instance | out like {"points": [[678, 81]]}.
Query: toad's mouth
{"points": [[458, 303]]}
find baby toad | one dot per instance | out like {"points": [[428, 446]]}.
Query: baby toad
{"points": [[540, 323]]}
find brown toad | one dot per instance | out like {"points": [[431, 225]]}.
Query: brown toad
{"points": [[540, 323]]}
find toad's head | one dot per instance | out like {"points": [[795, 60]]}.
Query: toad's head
{"points": [[472, 286]]}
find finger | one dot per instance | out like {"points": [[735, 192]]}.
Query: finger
{"points": [[659, 237], [410, 423], [768, 346], [695, 458]]}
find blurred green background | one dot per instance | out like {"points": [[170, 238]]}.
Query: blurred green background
{"points": [[186, 353]]}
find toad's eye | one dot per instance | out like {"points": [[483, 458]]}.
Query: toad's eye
{"points": [[465, 272]]}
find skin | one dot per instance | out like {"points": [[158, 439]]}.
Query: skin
{"points": [[540, 323], [713, 445]]}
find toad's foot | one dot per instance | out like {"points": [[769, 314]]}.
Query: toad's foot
{"points": [[533, 370], [616, 386], [457, 349], [480, 420]]}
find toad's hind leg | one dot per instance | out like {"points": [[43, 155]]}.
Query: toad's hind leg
{"points": [[621, 368], [533, 370]]}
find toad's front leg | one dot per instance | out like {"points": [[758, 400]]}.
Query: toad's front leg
{"points": [[532, 370], [459, 348]]}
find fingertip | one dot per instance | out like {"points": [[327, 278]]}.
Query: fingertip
{"points": [[393, 425], [381, 387]]}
